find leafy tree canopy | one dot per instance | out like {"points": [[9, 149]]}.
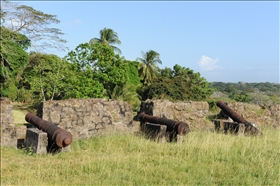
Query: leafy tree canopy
{"points": [[12, 54], [178, 84], [44, 75], [264, 93], [108, 37], [148, 66], [109, 68]]}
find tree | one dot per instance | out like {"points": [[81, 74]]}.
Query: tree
{"points": [[81, 83], [82, 56], [108, 68], [184, 84], [128, 91], [6, 8], [12, 54], [166, 72], [44, 75], [108, 37], [13, 58], [47, 77], [148, 66], [34, 24]]}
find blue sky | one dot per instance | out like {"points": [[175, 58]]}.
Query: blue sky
{"points": [[224, 41]]}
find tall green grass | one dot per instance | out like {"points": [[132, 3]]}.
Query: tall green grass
{"points": [[204, 158]]}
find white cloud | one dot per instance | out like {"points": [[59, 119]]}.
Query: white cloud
{"points": [[208, 64], [75, 22]]}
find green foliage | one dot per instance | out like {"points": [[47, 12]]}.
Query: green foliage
{"points": [[242, 97], [184, 84], [12, 54], [108, 37], [44, 76], [81, 84], [166, 72], [132, 73], [12, 36], [10, 90], [82, 56], [106, 72], [128, 91], [148, 66], [108, 68], [13, 59], [256, 93]]}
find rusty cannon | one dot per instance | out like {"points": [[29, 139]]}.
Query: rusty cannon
{"points": [[61, 137], [232, 114], [249, 127], [172, 126]]}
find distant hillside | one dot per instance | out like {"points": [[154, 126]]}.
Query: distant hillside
{"points": [[258, 93]]}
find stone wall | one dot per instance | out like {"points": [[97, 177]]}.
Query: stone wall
{"points": [[89, 117], [258, 115], [193, 112], [8, 129]]}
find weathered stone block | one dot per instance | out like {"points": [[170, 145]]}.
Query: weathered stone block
{"points": [[226, 126], [219, 125], [179, 138], [241, 129], [36, 140], [235, 128]]}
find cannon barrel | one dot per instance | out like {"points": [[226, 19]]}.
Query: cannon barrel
{"points": [[232, 114], [61, 137], [179, 127]]}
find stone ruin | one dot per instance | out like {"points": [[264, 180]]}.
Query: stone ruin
{"points": [[194, 113], [8, 128], [84, 118], [90, 117]]}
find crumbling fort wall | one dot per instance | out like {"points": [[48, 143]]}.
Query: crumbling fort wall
{"points": [[193, 113], [258, 115], [89, 117], [8, 129]]}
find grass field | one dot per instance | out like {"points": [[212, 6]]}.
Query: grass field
{"points": [[205, 158], [20, 110]]}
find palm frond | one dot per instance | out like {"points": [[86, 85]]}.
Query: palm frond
{"points": [[108, 36]]}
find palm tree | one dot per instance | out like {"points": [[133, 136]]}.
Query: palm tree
{"points": [[108, 37], [148, 66]]}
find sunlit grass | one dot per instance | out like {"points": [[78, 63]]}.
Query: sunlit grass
{"points": [[20, 110], [205, 158], [19, 116]]}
